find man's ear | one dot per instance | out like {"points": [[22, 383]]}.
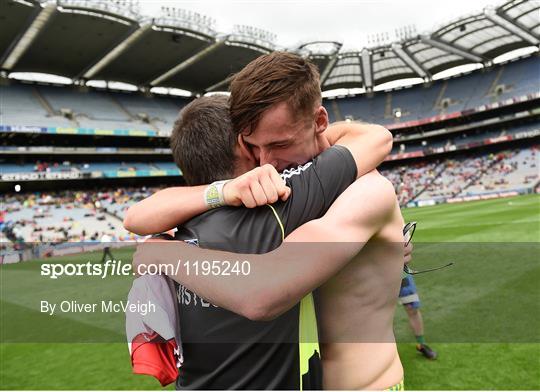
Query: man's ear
{"points": [[321, 119], [244, 151]]}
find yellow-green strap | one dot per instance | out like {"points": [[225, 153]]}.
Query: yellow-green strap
{"points": [[308, 335], [279, 221]]}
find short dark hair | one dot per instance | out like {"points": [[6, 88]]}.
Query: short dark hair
{"points": [[271, 79], [203, 142]]}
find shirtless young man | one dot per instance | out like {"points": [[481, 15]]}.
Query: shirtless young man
{"points": [[357, 305]]}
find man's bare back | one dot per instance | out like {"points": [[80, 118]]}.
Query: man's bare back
{"points": [[356, 311], [356, 307]]}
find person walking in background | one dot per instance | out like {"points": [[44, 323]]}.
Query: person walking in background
{"points": [[106, 240]]}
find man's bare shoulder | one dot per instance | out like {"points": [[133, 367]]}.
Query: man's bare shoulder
{"points": [[370, 198], [374, 178], [373, 187]]}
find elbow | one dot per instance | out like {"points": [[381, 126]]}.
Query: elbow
{"points": [[128, 221], [260, 308], [387, 140], [130, 224], [256, 313]]}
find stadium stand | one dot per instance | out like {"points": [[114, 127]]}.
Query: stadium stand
{"points": [[166, 166], [90, 109], [475, 89], [511, 170], [429, 145], [410, 180], [69, 215], [44, 128], [87, 215], [507, 170], [86, 167], [39, 105], [455, 176], [518, 78], [160, 111], [21, 106], [47, 105]]}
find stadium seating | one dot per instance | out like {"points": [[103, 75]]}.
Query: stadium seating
{"points": [[465, 176], [21, 106], [444, 96], [520, 77], [453, 178], [512, 170], [40, 166], [466, 137], [87, 215], [166, 165], [410, 180], [414, 103], [94, 104], [159, 110], [14, 168], [41, 105], [69, 216], [116, 202]]}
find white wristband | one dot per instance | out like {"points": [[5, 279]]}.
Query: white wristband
{"points": [[213, 194]]}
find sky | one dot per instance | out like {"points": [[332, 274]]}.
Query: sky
{"points": [[347, 21]]}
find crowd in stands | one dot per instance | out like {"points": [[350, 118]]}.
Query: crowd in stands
{"points": [[509, 169], [41, 166], [409, 180], [68, 215], [455, 176], [88, 215], [494, 172]]}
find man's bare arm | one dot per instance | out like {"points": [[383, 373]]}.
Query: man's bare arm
{"points": [[280, 279], [369, 144], [160, 212], [169, 207]]}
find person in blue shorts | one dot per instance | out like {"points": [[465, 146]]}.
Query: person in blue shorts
{"points": [[408, 297]]}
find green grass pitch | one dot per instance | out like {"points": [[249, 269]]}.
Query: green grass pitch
{"points": [[481, 315]]}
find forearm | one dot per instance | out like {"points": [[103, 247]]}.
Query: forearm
{"points": [[337, 130], [165, 210], [276, 280], [171, 207], [369, 144]]}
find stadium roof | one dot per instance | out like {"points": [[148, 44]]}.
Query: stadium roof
{"points": [[152, 51], [109, 40], [211, 69], [64, 38], [478, 38]]}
